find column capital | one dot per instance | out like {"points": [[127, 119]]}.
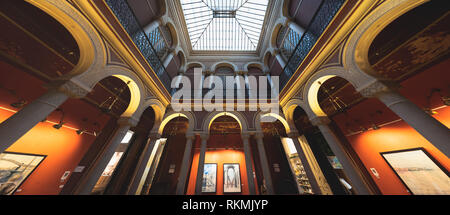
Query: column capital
{"points": [[259, 135], [72, 88], [293, 134], [320, 120], [127, 121], [376, 88], [204, 136], [154, 135], [190, 136], [245, 136]]}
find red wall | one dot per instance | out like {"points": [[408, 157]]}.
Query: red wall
{"points": [[219, 157], [396, 136], [64, 150]]}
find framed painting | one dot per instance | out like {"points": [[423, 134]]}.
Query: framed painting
{"points": [[231, 178], [209, 178], [419, 172], [15, 169]]}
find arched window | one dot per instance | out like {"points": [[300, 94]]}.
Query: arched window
{"points": [[161, 40], [287, 40]]}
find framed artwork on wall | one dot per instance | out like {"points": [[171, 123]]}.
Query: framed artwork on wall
{"points": [[15, 169], [419, 172], [209, 178], [231, 178]]}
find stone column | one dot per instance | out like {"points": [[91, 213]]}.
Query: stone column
{"points": [[299, 30], [280, 59], [169, 58], [430, 128], [356, 179], [184, 169], [249, 164], [294, 135], [24, 120], [264, 163], [201, 164], [143, 161], [152, 26], [100, 164]]}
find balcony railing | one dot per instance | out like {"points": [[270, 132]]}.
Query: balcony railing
{"points": [[130, 23], [320, 21]]}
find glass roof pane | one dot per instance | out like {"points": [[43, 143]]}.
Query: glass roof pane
{"points": [[224, 25]]}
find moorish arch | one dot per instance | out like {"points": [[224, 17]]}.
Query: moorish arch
{"points": [[172, 115], [356, 49], [214, 115], [260, 118], [312, 86], [227, 64], [92, 50]]}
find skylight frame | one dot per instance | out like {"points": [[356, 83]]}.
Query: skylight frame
{"points": [[240, 34]]}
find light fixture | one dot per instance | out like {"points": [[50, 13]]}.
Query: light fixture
{"points": [[19, 104], [97, 128], [80, 131], [61, 123]]}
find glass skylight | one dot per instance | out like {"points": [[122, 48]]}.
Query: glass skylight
{"points": [[224, 25]]}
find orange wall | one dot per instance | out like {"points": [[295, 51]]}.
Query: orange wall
{"points": [[219, 157], [396, 136], [64, 150]]}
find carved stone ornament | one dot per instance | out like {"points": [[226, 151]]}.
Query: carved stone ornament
{"points": [[70, 88], [127, 121], [320, 120], [376, 88]]}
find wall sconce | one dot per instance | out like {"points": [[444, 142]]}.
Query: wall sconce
{"points": [[19, 104], [61, 123], [338, 104], [80, 131], [97, 128], [374, 125], [445, 100]]}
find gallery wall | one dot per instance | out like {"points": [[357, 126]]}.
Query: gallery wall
{"points": [[62, 147], [396, 134]]}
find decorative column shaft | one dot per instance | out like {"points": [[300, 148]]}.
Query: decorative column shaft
{"points": [[201, 164], [249, 164], [142, 163], [294, 135], [299, 30], [152, 26], [184, 169], [350, 170], [264, 163], [99, 166], [280, 59], [430, 128], [24, 120], [169, 58]]}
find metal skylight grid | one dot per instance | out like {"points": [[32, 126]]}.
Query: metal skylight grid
{"points": [[224, 25]]}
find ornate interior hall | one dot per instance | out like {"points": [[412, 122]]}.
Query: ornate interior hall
{"points": [[88, 92]]}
